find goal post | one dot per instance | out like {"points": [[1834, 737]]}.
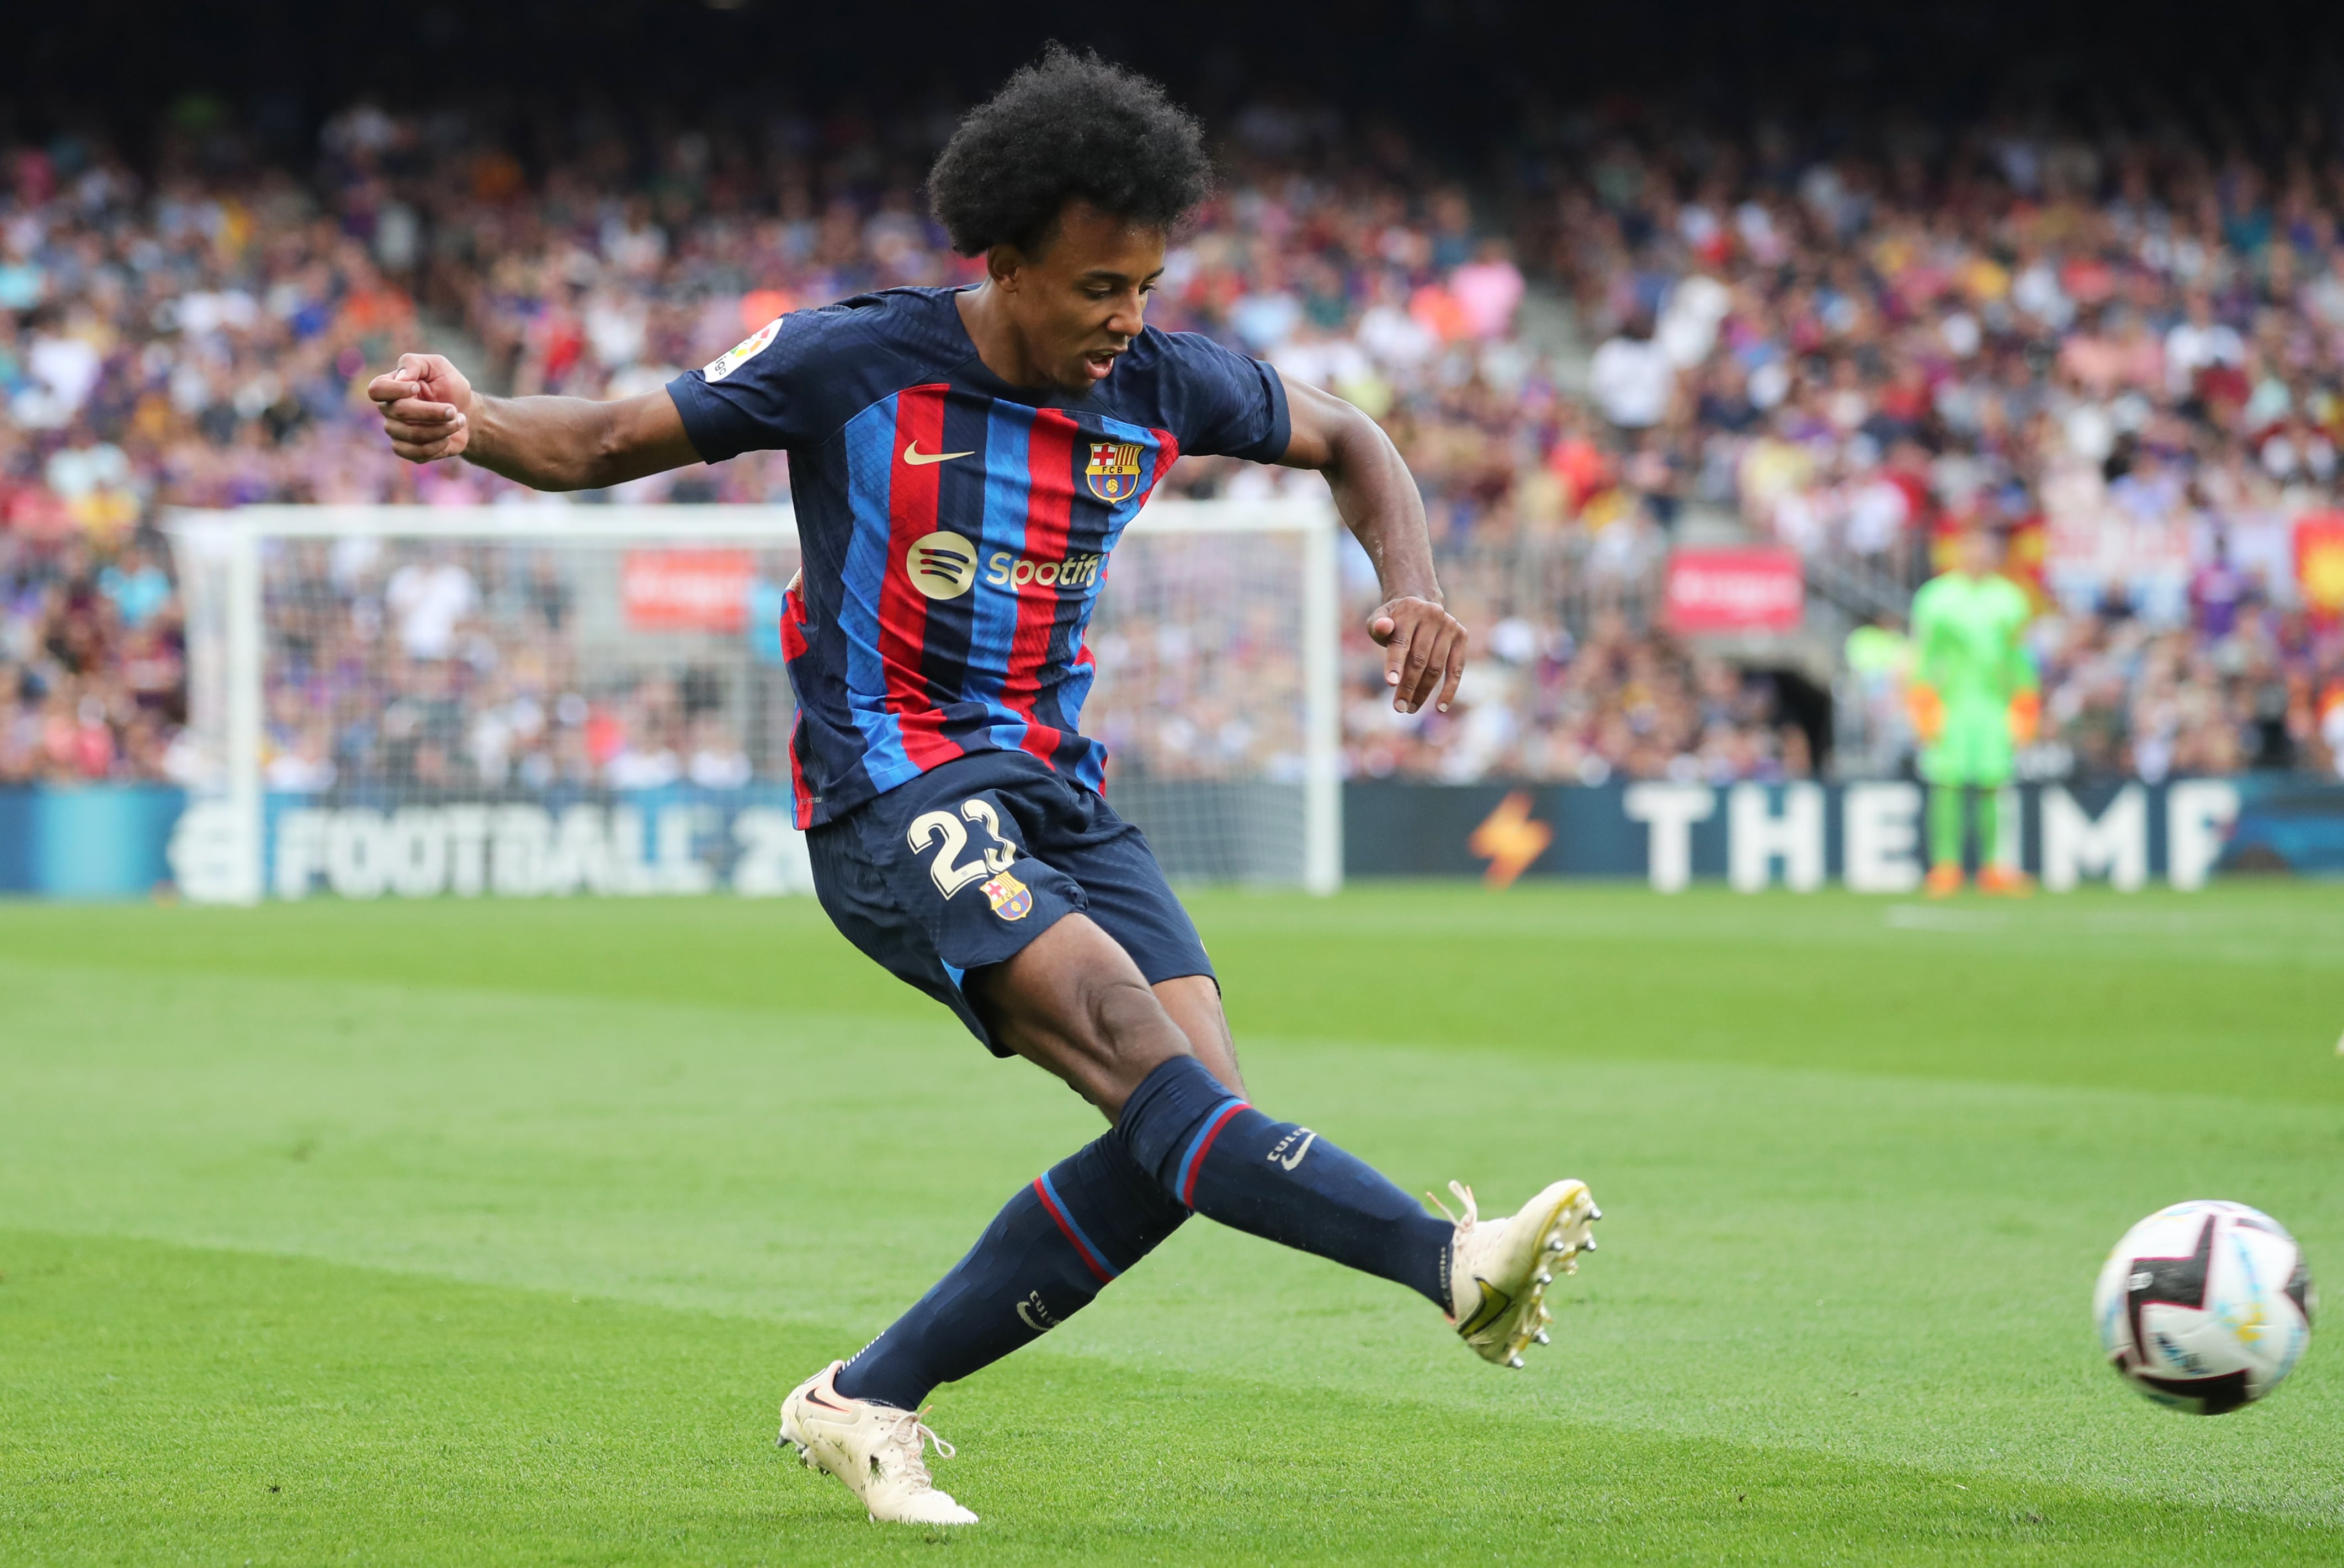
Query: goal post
{"points": [[547, 699]]}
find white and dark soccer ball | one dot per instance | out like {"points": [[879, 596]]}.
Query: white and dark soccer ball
{"points": [[2204, 1306]]}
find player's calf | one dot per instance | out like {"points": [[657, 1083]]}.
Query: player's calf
{"points": [[1073, 1002], [1053, 1247], [1217, 1155]]}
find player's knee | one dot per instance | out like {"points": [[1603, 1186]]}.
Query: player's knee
{"points": [[1074, 1003]]}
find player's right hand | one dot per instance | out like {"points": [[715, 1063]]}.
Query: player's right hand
{"points": [[1928, 711], [426, 405]]}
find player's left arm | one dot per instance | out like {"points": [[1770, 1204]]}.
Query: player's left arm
{"points": [[2025, 686], [1424, 644]]}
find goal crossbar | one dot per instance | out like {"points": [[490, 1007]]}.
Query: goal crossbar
{"points": [[646, 524]]}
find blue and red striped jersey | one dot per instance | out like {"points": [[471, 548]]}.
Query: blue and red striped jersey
{"points": [[954, 529]]}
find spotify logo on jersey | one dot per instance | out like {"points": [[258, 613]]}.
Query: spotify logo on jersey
{"points": [[942, 565]]}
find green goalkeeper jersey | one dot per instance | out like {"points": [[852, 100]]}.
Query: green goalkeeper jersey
{"points": [[1967, 641]]}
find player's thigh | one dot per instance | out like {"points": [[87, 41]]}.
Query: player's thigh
{"points": [[1073, 1002], [934, 880], [1131, 900], [1994, 754], [1953, 758], [1125, 891], [1988, 757], [1069, 1003]]}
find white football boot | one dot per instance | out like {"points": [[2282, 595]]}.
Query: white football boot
{"points": [[878, 1451], [1499, 1269]]}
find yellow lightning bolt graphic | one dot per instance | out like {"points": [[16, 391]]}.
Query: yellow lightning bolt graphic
{"points": [[1510, 838]]}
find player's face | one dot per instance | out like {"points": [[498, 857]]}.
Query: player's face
{"points": [[1975, 554], [1081, 302]]}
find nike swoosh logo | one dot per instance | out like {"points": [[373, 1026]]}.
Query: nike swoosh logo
{"points": [[1311, 1138], [1493, 1306], [918, 459], [1038, 1328]]}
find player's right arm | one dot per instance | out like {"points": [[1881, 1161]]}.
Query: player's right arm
{"points": [[430, 411], [1923, 702]]}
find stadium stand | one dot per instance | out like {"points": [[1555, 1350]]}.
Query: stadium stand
{"points": [[2124, 354], [2121, 351]]}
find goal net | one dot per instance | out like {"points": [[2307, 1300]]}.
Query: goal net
{"points": [[536, 701]]}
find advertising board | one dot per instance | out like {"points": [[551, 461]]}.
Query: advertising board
{"points": [[1758, 588], [130, 841], [1868, 836]]}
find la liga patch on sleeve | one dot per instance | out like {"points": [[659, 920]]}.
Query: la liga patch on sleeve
{"points": [[740, 353]]}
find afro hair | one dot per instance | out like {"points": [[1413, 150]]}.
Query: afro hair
{"points": [[1067, 128]]}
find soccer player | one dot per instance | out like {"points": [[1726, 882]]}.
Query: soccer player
{"points": [[962, 462], [1975, 700]]}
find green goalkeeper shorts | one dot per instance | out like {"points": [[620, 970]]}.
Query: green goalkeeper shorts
{"points": [[1974, 748]]}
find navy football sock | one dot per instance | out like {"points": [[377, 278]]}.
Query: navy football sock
{"points": [[1046, 1255], [1218, 1156]]}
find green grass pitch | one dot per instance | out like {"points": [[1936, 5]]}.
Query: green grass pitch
{"points": [[487, 1233]]}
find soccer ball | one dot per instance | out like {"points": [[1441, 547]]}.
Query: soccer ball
{"points": [[2204, 1306]]}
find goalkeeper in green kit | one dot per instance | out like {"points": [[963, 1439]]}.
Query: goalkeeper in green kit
{"points": [[1975, 700]]}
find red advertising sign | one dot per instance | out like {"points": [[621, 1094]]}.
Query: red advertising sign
{"points": [[1756, 589], [2320, 562], [686, 590]]}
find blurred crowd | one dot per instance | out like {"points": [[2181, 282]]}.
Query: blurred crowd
{"points": [[2123, 351], [1539, 704], [457, 669], [2123, 354], [2128, 696]]}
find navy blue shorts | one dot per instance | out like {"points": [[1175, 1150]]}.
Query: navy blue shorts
{"points": [[963, 866]]}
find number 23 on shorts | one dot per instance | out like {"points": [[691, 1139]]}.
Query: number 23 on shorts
{"points": [[950, 873]]}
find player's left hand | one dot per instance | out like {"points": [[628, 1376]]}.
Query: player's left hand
{"points": [[1424, 650], [2025, 717]]}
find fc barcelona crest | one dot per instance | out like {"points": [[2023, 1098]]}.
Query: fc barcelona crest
{"points": [[1113, 470], [1011, 899]]}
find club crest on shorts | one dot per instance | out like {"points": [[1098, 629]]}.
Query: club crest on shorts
{"points": [[1010, 898], [1113, 470]]}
